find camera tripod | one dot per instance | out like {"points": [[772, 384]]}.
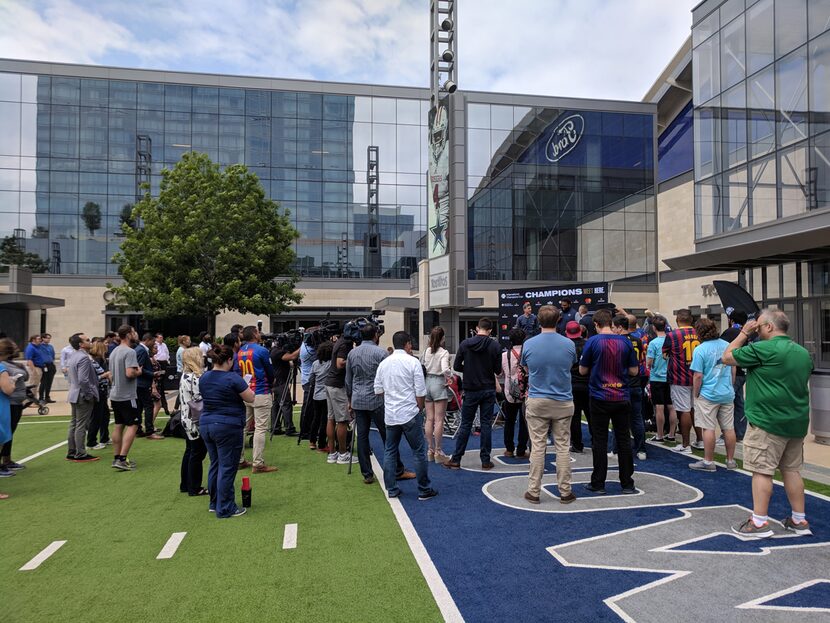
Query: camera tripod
{"points": [[289, 388]]}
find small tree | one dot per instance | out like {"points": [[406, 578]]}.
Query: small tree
{"points": [[211, 241], [11, 253], [92, 216]]}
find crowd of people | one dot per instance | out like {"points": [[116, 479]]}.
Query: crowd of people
{"points": [[562, 366]]}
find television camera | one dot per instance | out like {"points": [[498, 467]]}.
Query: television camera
{"points": [[352, 329]]}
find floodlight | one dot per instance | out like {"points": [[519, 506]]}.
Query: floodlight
{"points": [[450, 86], [447, 24], [448, 55]]}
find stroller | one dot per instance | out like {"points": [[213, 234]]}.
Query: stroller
{"points": [[31, 399]]}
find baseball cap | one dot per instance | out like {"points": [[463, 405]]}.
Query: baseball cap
{"points": [[573, 330]]}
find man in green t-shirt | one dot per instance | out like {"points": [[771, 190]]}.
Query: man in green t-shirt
{"points": [[778, 414]]}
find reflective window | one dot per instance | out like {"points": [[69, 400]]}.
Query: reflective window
{"points": [[820, 159], [795, 184], [675, 146], [733, 112], [706, 67], [707, 140], [819, 16], [791, 96], [764, 196], [790, 25], [732, 53], [760, 38], [705, 29], [819, 50], [9, 87], [762, 112]]}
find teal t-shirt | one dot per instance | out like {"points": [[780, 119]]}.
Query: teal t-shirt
{"points": [[660, 364], [717, 376]]}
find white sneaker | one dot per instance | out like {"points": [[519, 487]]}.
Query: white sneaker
{"points": [[641, 456], [682, 449], [332, 458], [719, 441], [99, 446], [344, 458], [698, 445], [731, 464]]}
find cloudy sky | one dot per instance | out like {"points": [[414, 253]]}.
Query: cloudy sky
{"points": [[579, 48]]}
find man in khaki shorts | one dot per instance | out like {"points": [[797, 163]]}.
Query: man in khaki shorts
{"points": [[778, 414], [714, 394], [549, 358]]}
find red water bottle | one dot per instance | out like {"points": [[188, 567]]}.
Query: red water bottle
{"points": [[246, 492]]}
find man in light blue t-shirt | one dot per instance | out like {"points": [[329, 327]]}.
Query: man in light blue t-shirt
{"points": [[657, 384], [548, 358], [712, 387]]}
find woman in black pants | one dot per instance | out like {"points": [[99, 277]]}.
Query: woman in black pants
{"points": [[8, 350], [317, 433], [195, 450], [99, 426], [515, 392]]}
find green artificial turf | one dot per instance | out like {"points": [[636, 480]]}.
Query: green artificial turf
{"points": [[351, 563]]}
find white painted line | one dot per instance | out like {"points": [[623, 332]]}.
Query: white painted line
{"points": [[35, 562], [442, 596], [289, 538], [42, 452], [171, 546]]}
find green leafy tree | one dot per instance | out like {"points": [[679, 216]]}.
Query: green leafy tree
{"points": [[211, 241], [92, 216], [11, 253]]}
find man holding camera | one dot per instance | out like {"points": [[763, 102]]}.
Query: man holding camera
{"points": [[282, 416], [361, 368], [255, 366]]}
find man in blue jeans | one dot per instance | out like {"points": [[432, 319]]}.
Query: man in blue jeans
{"points": [[361, 370], [400, 380], [479, 360]]}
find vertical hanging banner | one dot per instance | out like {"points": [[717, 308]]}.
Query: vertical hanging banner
{"points": [[511, 301], [438, 182]]}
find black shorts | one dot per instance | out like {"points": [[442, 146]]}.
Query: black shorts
{"points": [[660, 393], [126, 412]]}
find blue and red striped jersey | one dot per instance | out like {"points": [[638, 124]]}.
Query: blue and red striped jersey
{"points": [[678, 348], [255, 360], [608, 356]]}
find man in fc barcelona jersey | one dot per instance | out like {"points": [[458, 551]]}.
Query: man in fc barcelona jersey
{"points": [[678, 348], [254, 363]]}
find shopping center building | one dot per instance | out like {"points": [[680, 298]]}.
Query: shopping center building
{"points": [[721, 171]]}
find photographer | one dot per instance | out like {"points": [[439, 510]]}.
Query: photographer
{"points": [[308, 355], [282, 354]]}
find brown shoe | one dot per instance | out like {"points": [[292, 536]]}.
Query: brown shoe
{"points": [[451, 464], [369, 480], [509, 454], [567, 499], [533, 499], [264, 469], [244, 465], [405, 475], [487, 465]]}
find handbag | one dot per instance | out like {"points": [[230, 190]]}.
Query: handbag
{"points": [[194, 406]]}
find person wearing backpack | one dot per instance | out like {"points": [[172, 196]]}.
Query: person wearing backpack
{"points": [[195, 450], [515, 392]]}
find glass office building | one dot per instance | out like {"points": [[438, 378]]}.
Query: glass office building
{"points": [[761, 112], [73, 151]]}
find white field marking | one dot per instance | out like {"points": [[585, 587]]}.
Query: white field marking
{"points": [[439, 590], [485, 489], [673, 574], [289, 537], [760, 603], [42, 452], [35, 562], [171, 546]]}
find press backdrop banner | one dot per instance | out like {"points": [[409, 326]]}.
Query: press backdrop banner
{"points": [[511, 301]]}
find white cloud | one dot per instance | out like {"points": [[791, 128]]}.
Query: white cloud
{"points": [[584, 48]]}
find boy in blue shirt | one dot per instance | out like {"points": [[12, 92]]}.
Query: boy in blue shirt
{"points": [[657, 382], [714, 394]]}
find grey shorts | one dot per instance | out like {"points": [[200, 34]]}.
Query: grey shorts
{"points": [[681, 397], [338, 404], [436, 387]]}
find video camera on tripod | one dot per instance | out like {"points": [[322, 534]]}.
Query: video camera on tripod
{"points": [[323, 332], [352, 329]]}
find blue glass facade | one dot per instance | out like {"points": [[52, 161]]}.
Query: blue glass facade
{"points": [[67, 143], [560, 194], [675, 146]]}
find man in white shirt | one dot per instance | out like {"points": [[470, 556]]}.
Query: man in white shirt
{"points": [[163, 359], [400, 380]]}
